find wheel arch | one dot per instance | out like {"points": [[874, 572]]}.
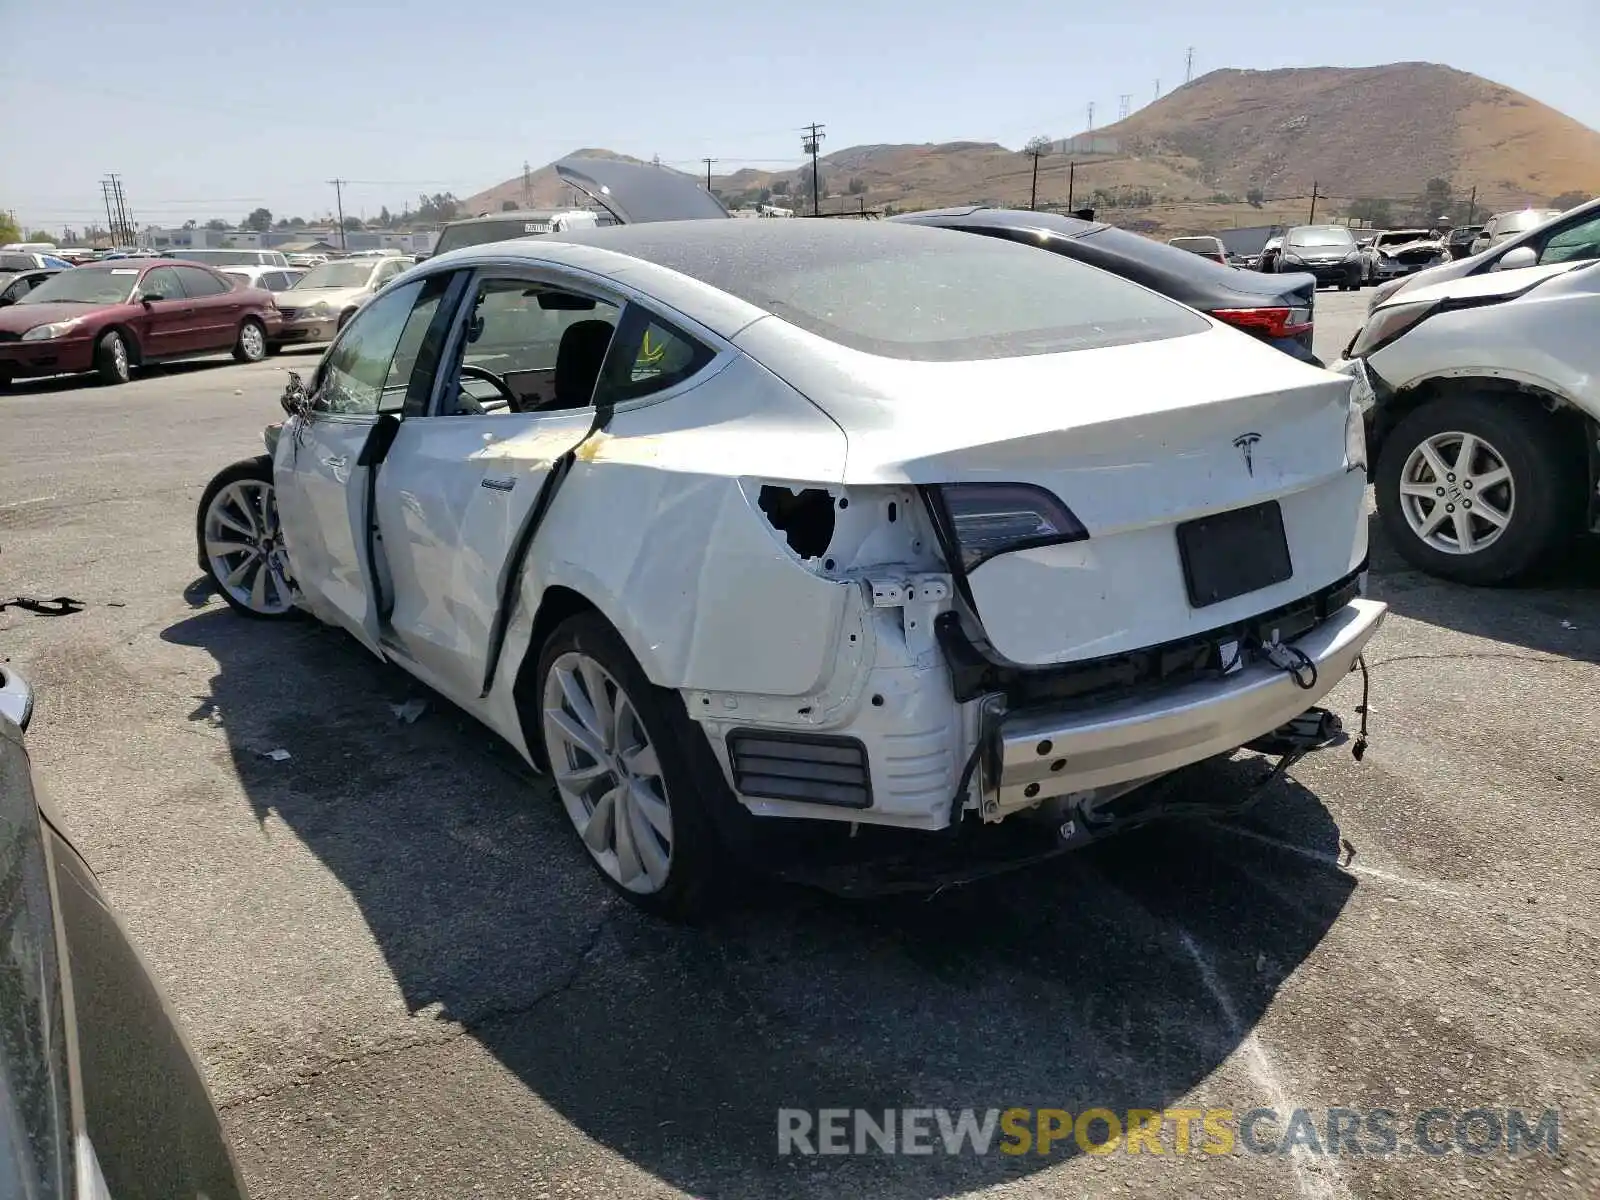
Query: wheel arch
{"points": [[1524, 393], [557, 603], [129, 339]]}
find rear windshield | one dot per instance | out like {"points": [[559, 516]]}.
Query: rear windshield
{"points": [[241, 258], [908, 292], [1321, 235], [1209, 244], [479, 233]]}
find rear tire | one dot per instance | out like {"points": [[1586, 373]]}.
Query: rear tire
{"points": [[655, 760], [251, 345], [113, 362], [1541, 494]]}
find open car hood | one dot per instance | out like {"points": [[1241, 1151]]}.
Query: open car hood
{"points": [[634, 193]]}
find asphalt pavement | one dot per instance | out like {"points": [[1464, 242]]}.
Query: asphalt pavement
{"points": [[404, 980]]}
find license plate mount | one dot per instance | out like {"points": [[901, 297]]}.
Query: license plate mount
{"points": [[1233, 553]]}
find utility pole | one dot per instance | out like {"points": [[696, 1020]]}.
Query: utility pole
{"points": [[338, 199], [1124, 106], [708, 162], [811, 144], [1188, 65], [1091, 116], [111, 223], [1158, 89], [1472, 204], [655, 161], [1312, 219], [527, 185], [1072, 169], [123, 235]]}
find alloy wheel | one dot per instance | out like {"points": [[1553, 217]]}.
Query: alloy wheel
{"points": [[1456, 493], [252, 341], [119, 355], [244, 547], [607, 772]]}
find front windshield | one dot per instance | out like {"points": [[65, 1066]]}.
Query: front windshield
{"points": [[1321, 235], [338, 275], [86, 285], [1401, 235]]}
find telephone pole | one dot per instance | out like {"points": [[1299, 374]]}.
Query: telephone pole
{"points": [[1472, 204], [811, 144], [527, 185], [1091, 116], [1124, 106], [1158, 89], [1188, 65], [111, 222], [1312, 219], [708, 162], [116, 210], [1072, 170], [338, 199]]}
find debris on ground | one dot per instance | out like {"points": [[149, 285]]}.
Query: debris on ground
{"points": [[409, 711], [278, 755]]}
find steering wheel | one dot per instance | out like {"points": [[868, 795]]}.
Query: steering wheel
{"points": [[469, 371]]}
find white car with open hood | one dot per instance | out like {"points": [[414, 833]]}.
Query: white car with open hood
{"points": [[723, 522]]}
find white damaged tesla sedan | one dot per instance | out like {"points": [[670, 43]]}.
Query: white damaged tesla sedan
{"points": [[725, 521]]}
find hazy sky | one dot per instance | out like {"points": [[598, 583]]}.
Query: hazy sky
{"points": [[213, 107]]}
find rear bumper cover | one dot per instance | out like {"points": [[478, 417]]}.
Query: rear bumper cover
{"points": [[1037, 754]]}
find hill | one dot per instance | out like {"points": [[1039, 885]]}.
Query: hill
{"points": [[1234, 147]]}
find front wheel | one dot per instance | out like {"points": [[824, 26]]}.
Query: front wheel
{"points": [[622, 756], [112, 363], [241, 542], [1477, 489], [251, 345]]}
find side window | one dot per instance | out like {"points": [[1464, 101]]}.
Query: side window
{"points": [[545, 344], [421, 345], [388, 271], [17, 290], [1575, 243], [198, 282], [654, 356], [355, 376], [161, 284]]}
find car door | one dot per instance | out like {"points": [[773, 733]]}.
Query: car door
{"points": [[166, 327], [464, 476], [323, 468], [217, 306]]}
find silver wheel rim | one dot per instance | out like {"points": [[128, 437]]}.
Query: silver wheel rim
{"points": [[607, 773], [244, 547], [255, 346], [119, 356], [1457, 493]]}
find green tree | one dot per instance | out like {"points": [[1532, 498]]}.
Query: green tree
{"points": [[1570, 199], [857, 186], [386, 218], [1436, 197], [508, 206], [218, 225], [354, 223], [10, 231], [780, 187], [297, 222], [258, 221], [1255, 197], [40, 235], [1375, 212], [441, 206]]}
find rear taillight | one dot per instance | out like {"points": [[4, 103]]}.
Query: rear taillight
{"points": [[986, 519], [1271, 322], [1219, 259]]}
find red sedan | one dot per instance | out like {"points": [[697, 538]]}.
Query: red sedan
{"points": [[112, 317]]}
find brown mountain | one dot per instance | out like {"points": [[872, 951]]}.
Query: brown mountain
{"points": [[1190, 161], [1367, 132]]}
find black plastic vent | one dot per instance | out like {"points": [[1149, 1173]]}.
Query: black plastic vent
{"points": [[810, 768]]}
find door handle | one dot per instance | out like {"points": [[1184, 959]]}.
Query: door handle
{"points": [[336, 462], [498, 485]]}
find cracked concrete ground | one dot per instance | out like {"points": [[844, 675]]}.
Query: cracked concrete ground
{"points": [[403, 979]]}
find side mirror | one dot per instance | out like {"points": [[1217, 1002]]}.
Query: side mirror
{"points": [[294, 399], [1517, 258], [423, 257], [7, 301], [149, 298]]}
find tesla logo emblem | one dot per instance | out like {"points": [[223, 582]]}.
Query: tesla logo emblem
{"points": [[1245, 444]]}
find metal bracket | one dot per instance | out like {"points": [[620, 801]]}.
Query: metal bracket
{"points": [[920, 599]]}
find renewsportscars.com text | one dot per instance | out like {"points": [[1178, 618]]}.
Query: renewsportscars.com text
{"points": [[1017, 1131]]}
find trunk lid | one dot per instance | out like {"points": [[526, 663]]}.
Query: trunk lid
{"points": [[1135, 440], [634, 193]]}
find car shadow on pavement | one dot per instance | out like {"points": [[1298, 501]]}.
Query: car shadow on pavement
{"points": [[1119, 977], [1554, 611]]}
